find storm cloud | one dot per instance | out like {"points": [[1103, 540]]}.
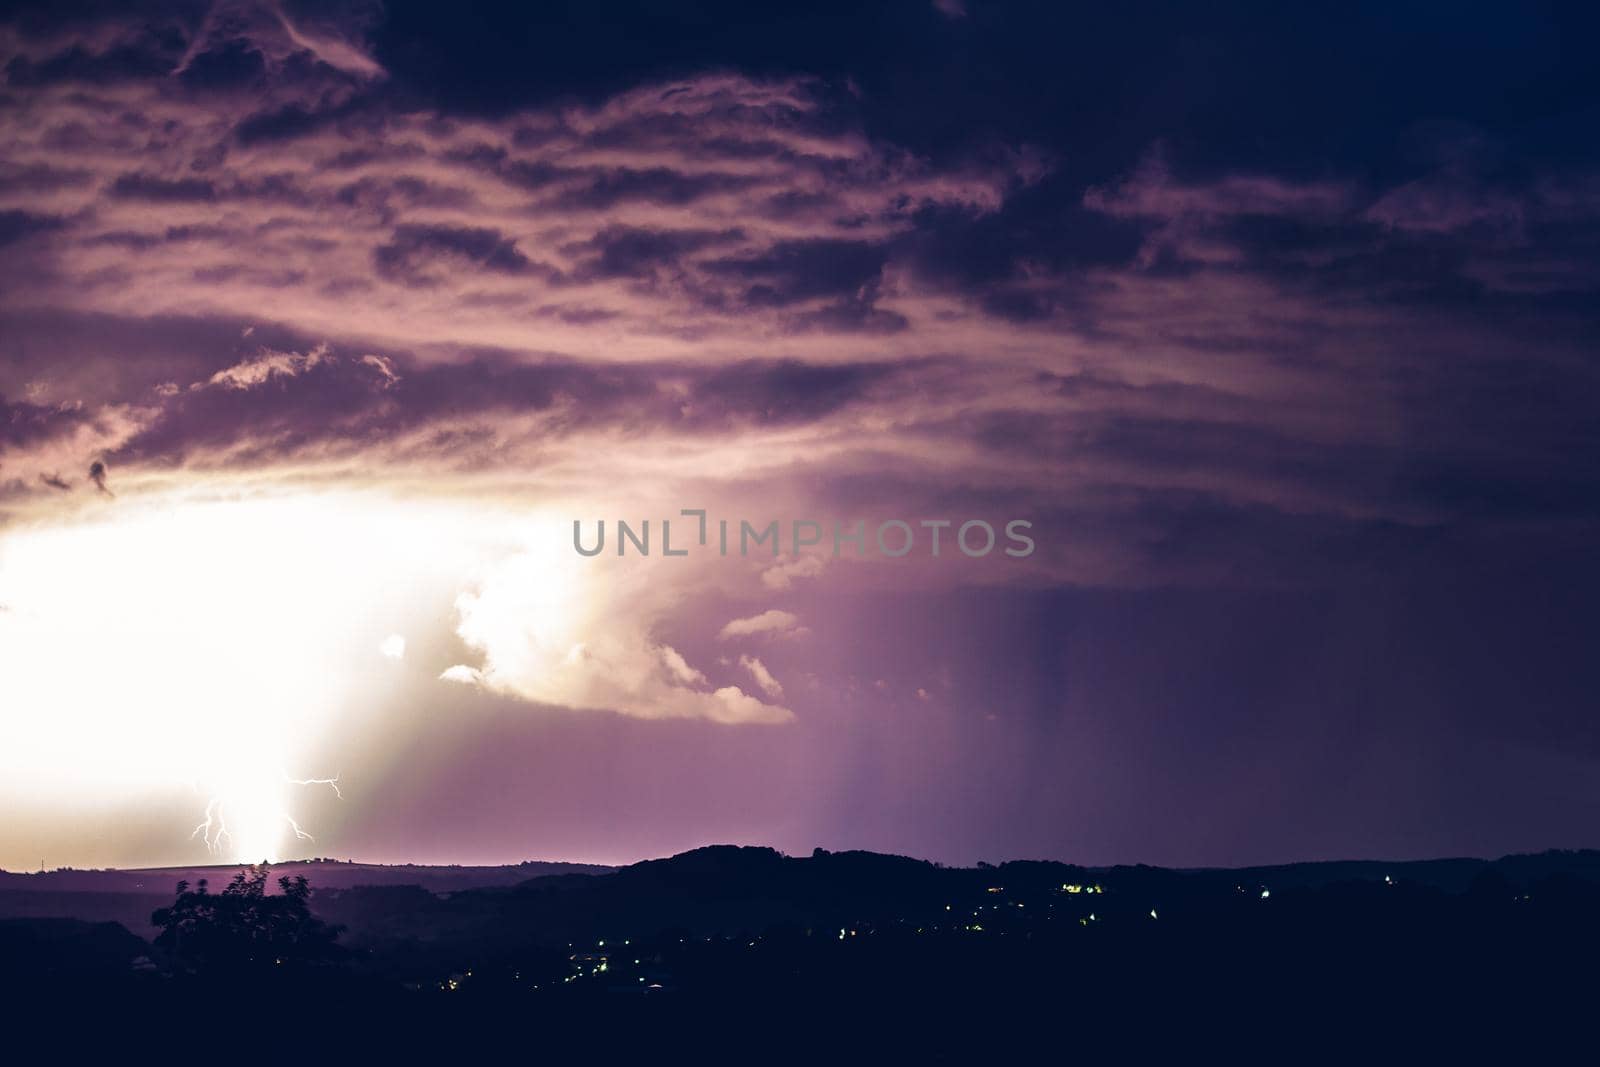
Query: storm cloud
{"points": [[1313, 322]]}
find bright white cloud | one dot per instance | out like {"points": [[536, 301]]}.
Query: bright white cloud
{"points": [[783, 575], [266, 366], [549, 638], [758, 670], [680, 667], [773, 622]]}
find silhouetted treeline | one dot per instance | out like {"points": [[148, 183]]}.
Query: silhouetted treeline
{"points": [[244, 928], [907, 956]]}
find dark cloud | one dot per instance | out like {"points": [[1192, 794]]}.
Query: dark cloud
{"points": [[162, 190], [231, 66], [22, 423], [16, 225], [788, 391], [17, 178], [800, 270], [349, 404], [416, 255], [853, 314], [302, 119], [634, 252], [657, 185], [98, 474], [151, 58]]}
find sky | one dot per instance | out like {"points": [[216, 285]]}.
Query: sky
{"points": [[321, 326]]}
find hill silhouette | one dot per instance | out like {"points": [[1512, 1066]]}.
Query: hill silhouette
{"points": [[745, 940]]}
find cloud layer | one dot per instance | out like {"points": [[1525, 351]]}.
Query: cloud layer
{"points": [[233, 248]]}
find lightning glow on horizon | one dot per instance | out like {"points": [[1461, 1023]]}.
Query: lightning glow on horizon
{"points": [[262, 817], [214, 642]]}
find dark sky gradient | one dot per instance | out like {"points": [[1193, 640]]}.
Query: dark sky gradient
{"points": [[1280, 325]]}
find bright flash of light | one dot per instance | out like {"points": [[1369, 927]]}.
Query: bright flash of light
{"points": [[212, 642], [249, 817]]}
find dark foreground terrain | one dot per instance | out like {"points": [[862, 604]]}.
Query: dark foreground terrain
{"points": [[742, 953]]}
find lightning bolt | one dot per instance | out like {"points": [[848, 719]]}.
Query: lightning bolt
{"points": [[332, 782], [213, 828]]}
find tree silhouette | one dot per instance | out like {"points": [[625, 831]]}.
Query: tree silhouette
{"points": [[245, 928]]}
